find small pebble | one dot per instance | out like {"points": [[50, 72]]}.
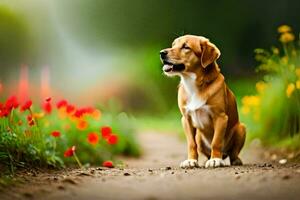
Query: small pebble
{"points": [[28, 195], [168, 168], [70, 181], [126, 174], [172, 172], [282, 161], [150, 170], [83, 174], [237, 177], [285, 177], [60, 187]]}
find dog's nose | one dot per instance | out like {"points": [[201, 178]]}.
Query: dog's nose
{"points": [[163, 54]]}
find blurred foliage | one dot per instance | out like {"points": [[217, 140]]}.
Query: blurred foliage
{"points": [[14, 41], [273, 113], [158, 91], [236, 27]]}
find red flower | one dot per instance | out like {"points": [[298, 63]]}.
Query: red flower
{"points": [[112, 139], [89, 110], [48, 99], [108, 164], [31, 123], [106, 131], [47, 107], [70, 151], [70, 109], [82, 111], [11, 102], [55, 133], [61, 104], [3, 111], [30, 120], [78, 113], [93, 138], [26, 106]]}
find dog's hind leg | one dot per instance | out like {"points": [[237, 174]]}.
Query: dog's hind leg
{"points": [[238, 140]]}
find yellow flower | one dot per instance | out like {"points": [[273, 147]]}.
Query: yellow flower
{"points": [[245, 110], [298, 72], [261, 86], [81, 125], [62, 113], [251, 100], [284, 29], [38, 115], [287, 37], [284, 60], [298, 84], [275, 50], [290, 89], [96, 114]]}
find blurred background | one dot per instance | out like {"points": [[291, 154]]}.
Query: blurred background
{"points": [[103, 51]]}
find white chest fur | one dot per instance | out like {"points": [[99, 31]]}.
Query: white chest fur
{"points": [[196, 105]]}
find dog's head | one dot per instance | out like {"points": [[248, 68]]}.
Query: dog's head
{"points": [[188, 53]]}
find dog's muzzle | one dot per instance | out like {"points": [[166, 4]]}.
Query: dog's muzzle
{"points": [[171, 67]]}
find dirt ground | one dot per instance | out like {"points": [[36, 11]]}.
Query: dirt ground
{"points": [[156, 175]]}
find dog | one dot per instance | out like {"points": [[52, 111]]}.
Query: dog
{"points": [[208, 107]]}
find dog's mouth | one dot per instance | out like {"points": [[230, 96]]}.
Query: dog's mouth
{"points": [[171, 67]]}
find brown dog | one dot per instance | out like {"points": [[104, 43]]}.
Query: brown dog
{"points": [[208, 107]]}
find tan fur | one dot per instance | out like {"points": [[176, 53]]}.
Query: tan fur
{"points": [[219, 133]]}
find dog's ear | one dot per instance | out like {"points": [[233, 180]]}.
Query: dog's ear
{"points": [[210, 53]]}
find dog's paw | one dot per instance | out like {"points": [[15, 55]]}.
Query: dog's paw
{"points": [[236, 162], [189, 163], [215, 162]]}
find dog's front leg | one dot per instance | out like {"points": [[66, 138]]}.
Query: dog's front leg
{"points": [[190, 133], [220, 125]]}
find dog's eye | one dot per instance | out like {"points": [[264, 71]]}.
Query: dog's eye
{"points": [[184, 46]]}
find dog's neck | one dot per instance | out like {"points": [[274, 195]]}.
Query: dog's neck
{"points": [[200, 78]]}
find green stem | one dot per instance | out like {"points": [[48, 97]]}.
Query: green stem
{"points": [[77, 160]]}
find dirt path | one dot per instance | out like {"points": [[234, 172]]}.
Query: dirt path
{"points": [[156, 176]]}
